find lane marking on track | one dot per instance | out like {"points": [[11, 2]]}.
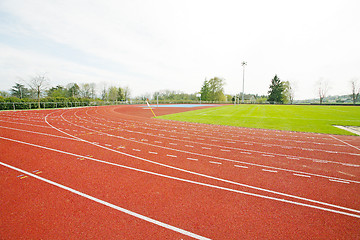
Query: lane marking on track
{"points": [[237, 148], [239, 166], [225, 150], [212, 186], [136, 150], [113, 206], [40, 133], [246, 153], [173, 143], [194, 159], [267, 170], [157, 141], [253, 164], [335, 180], [212, 177], [348, 174], [189, 146], [169, 155], [153, 152], [215, 162], [267, 155], [33, 125], [301, 175], [345, 142], [205, 147]]}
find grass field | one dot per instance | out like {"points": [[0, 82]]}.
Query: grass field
{"points": [[318, 119]]}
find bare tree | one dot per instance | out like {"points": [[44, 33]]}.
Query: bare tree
{"points": [[92, 90], [85, 90], [38, 85], [127, 93], [355, 90], [323, 88]]}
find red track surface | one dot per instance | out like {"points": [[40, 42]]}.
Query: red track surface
{"points": [[115, 173]]}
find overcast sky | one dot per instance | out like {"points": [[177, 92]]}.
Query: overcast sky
{"points": [[164, 44]]}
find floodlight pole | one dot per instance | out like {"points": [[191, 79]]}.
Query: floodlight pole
{"points": [[243, 64]]}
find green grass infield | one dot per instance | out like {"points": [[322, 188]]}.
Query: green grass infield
{"points": [[301, 118]]}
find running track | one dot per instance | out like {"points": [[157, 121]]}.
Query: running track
{"points": [[115, 173]]}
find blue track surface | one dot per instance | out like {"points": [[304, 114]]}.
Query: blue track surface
{"points": [[180, 105]]}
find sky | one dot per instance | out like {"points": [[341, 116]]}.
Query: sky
{"points": [[152, 45]]}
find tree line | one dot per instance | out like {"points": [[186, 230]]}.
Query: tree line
{"points": [[38, 88], [212, 90]]}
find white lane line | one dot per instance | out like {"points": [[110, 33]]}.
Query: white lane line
{"points": [[193, 159], [231, 142], [157, 141], [171, 155], [267, 155], [173, 143], [108, 145], [189, 146], [239, 166], [205, 147], [212, 177], [153, 152], [131, 213], [345, 142], [225, 150], [215, 162], [293, 158], [246, 153], [267, 170], [40, 133], [137, 150], [335, 180], [348, 174], [301, 175]]}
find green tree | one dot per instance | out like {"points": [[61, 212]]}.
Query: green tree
{"points": [[120, 94], [58, 91], [205, 91], [276, 91], [213, 90], [19, 91], [73, 90], [112, 93]]}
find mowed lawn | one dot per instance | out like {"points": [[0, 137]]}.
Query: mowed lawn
{"points": [[302, 118]]}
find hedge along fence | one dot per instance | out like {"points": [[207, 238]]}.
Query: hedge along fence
{"points": [[46, 105]]}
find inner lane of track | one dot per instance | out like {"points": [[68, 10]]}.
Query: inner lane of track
{"points": [[171, 177]]}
